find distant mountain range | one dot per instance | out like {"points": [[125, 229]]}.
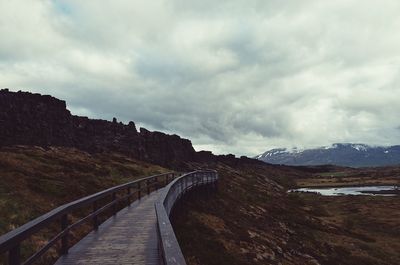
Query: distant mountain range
{"points": [[341, 154]]}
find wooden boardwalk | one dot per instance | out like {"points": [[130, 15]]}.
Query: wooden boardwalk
{"points": [[138, 234], [130, 237]]}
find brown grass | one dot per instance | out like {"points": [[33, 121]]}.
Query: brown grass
{"points": [[352, 177], [251, 220], [34, 180]]}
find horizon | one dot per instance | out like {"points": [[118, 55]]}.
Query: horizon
{"points": [[237, 77], [292, 148], [197, 148]]}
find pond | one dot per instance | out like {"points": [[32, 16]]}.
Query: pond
{"points": [[357, 190]]}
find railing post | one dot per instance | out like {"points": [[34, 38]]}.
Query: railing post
{"points": [[129, 195], [95, 219], [202, 181], [216, 181], [194, 184], [114, 198], [14, 255], [181, 182], [148, 186], [64, 238], [139, 190], [210, 181], [166, 179]]}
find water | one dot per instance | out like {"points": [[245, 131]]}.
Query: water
{"points": [[366, 190]]}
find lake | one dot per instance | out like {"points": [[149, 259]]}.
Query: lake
{"points": [[365, 190]]}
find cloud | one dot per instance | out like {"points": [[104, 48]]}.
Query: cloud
{"points": [[233, 76]]}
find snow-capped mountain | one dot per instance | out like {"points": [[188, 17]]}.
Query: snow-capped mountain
{"points": [[342, 154]]}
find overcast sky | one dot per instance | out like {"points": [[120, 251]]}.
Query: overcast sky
{"points": [[236, 76]]}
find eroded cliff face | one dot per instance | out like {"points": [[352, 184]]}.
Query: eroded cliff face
{"points": [[33, 119], [39, 120]]}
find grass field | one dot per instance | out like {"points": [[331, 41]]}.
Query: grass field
{"points": [[34, 180], [254, 221], [250, 220], [352, 177]]}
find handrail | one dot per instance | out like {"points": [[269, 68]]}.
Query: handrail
{"points": [[169, 250], [11, 241]]}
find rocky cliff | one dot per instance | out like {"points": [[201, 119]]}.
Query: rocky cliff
{"points": [[34, 119]]}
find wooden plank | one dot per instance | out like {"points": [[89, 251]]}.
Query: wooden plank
{"points": [[130, 237], [14, 237]]}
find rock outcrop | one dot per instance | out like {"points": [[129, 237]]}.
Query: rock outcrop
{"points": [[34, 119], [42, 120]]}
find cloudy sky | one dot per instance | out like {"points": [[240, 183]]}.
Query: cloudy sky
{"points": [[238, 76]]}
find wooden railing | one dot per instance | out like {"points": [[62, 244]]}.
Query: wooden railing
{"points": [[169, 250], [11, 242]]}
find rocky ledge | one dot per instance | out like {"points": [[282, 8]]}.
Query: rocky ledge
{"points": [[42, 120]]}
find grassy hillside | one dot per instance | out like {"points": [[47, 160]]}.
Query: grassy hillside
{"points": [[251, 220], [34, 180]]}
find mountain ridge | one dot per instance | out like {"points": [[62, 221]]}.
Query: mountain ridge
{"points": [[340, 154]]}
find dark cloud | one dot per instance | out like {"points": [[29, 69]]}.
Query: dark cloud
{"points": [[233, 76]]}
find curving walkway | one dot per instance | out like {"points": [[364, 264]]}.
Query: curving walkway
{"points": [[130, 237], [138, 234]]}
